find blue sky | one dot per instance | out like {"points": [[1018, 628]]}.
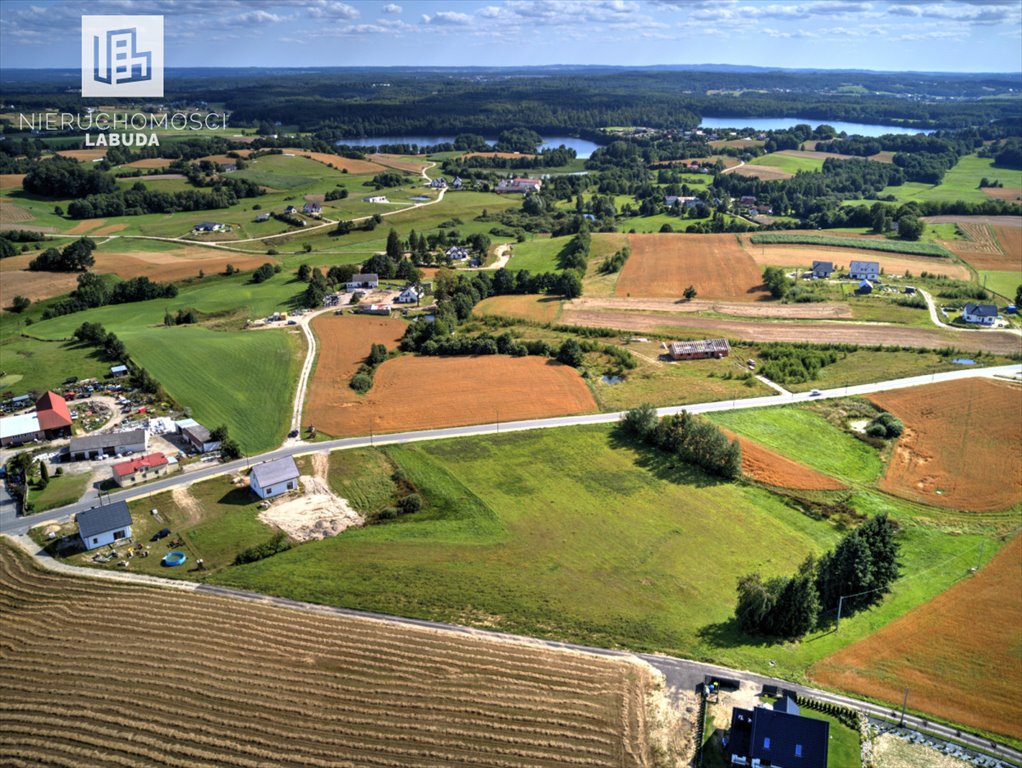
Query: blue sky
{"points": [[949, 35]]}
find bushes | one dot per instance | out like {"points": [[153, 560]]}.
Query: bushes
{"points": [[793, 364], [614, 263], [279, 543], [886, 426], [692, 438], [889, 246], [362, 381]]}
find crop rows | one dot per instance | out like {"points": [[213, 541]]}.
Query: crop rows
{"points": [[101, 673], [889, 246]]}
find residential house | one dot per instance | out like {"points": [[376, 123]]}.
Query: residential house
{"points": [[104, 525], [822, 269], [439, 183], [273, 478], [699, 350], [20, 429], [374, 309], [747, 200], [312, 209], [518, 186], [113, 444], [778, 736], [199, 438], [980, 314], [119, 370], [141, 469], [375, 199], [457, 253], [54, 416], [864, 270], [290, 211], [210, 226], [457, 183], [263, 217], [367, 281], [409, 295]]}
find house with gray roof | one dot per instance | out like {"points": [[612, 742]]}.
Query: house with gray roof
{"points": [[273, 478], [113, 444], [104, 525], [864, 270]]}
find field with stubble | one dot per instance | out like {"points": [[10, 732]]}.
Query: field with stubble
{"points": [[171, 678]]}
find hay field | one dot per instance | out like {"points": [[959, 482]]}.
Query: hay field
{"points": [[663, 265], [499, 155], [85, 225], [338, 162], [11, 180], [410, 163], [83, 155], [17, 281], [805, 255], [762, 172], [962, 445], [1011, 194], [958, 654], [770, 468], [1010, 239], [540, 309], [413, 393], [810, 311], [164, 677], [149, 162]]}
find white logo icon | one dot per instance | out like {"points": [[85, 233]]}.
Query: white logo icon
{"points": [[122, 56]]}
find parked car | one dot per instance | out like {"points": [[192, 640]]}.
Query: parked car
{"points": [[814, 393], [160, 534], [293, 433]]}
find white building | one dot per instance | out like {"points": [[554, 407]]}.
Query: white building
{"points": [[864, 270], [369, 280], [23, 428], [376, 199], [100, 526], [980, 314], [408, 296], [274, 477]]}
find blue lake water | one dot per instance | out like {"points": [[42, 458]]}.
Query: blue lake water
{"points": [[775, 123], [583, 148]]}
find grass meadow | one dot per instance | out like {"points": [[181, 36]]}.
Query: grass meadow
{"points": [[789, 163], [960, 183]]}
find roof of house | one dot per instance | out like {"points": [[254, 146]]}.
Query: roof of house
{"points": [[864, 266], [273, 472], [781, 737], [981, 310], [22, 424], [52, 411], [115, 439], [181, 424], [368, 277], [118, 369], [787, 704], [143, 462], [93, 522], [197, 432], [828, 265]]}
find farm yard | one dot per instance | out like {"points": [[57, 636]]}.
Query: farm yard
{"points": [[893, 264], [957, 654], [664, 265], [298, 689], [961, 446]]}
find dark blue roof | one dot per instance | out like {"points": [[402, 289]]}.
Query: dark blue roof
{"points": [[782, 738], [981, 310], [111, 517], [787, 704]]}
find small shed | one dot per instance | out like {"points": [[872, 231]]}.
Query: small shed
{"points": [[865, 288], [100, 526], [118, 370], [274, 477]]}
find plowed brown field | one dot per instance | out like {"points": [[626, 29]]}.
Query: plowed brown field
{"points": [[220, 681], [85, 225], [83, 155], [962, 445], [33, 285], [765, 466], [341, 163], [803, 256], [958, 654], [663, 265]]}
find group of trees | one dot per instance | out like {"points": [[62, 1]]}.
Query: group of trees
{"points": [[362, 381], [692, 438], [856, 573], [229, 448], [95, 335], [223, 192], [797, 363], [76, 257], [575, 253], [99, 290], [616, 261]]}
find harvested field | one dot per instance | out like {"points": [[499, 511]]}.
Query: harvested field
{"points": [[896, 264], [540, 309], [980, 239], [879, 157], [85, 225], [727, 160], [338, 162], [842, 332], [962, 446], [33, 285], [149, 162], [83, 155], [1010, 194], [739, 143], [109, 229], [12, 215], [11, 180], [663, 265], [177, 264], [401, 162], [815, 311], [1010, 239], [997, 221], [958, 653], [763, 172], [219, 681], [412, 393], [765, 466]]}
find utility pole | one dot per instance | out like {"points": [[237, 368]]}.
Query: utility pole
{"points": [[837, 625], [904, 704]]}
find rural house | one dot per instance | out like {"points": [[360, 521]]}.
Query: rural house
{"points": [[864, 270], [376, 199], [210, 226], [822, 269], [54, 416], [290, 211], [779, 736], [457, 182], [518, 186], [980, 314], [439, 183], [699, 350], [263, 217], [865, 288], [409, 295], [366, 281], [114, 444], [373, 309], [20, 429], [312, 209], [100, 526], [457, 253], [274, 478], [128, 473]]}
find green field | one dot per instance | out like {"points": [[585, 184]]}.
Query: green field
{"points": [[890, 246], [788, 163], [1002, 282], [960, 183], [61, 490]]}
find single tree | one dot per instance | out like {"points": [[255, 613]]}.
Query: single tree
{"points": [[689, 293]]}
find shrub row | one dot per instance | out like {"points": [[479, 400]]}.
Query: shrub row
{"points": [[890, 246]]}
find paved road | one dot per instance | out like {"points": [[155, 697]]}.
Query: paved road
{"points": [[16, 526]]}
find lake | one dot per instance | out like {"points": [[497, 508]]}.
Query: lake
{"points": [[775, 123], [583, 148]]}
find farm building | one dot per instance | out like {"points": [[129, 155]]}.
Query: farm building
{"points": [[409, 295], [822, 269], [457, 182], [54, 416], [104, 525], [376, 199], [779, 736], [369, 280], [114, 444], [864, 270], [518, 186], [699, 350], [210, 226], [290, 210], [199, 438], [119, 370], [374, 309], [140, 470], [20, 429], [263, 217], [439, 183], [865, 288], [312, 209], [16, 403], [980, 314], [274, 478]]}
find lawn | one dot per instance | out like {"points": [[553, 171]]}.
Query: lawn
{"points": [[1002, 282], [960, 183], [30, 365], [789, 163], [61, 490]]}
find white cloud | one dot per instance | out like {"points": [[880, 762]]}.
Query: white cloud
{"points": [[329, 9], [391, 8], [447, 18], [260, 17]]}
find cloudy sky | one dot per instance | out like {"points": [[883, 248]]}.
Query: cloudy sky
{"points": [[947, 35]]}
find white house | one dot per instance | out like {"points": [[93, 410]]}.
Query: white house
{"points": [[439, 183], [864, 270], [457, 253], [376, 199], [210, 226], [408, 296], [104, 525], [362, 282], [980, 314], [274, 478], [128, 473], [520, 186], [312, 209]]}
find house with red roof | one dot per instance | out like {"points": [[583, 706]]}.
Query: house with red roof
{"points": [[142, 469], [54, 416]]}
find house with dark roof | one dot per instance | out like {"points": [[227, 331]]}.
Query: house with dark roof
{"points": [[699, 350], [312, 209], [115, 443], [273, 478], [980, 314], [210, 226], [200, 438], [864, 270], [53, 414], [778, 736], [365, 281], [865, 288], [104, 525], [822, 269]]}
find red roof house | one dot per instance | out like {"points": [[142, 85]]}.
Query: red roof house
{"points": [[51, 409], [138, 470]]}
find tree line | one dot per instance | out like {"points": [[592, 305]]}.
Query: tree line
{"points": [[692, 438]]}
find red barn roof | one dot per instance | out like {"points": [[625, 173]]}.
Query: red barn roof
{"points": [[52, 411], [132, 466]]}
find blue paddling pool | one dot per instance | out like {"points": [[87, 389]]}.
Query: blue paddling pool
{"points": [[174, 558]]}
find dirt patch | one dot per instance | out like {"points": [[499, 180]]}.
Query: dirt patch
{"points": [[12, 214], [803, 256], [962, 445], [663, 265], [412, 393], [815, 311], [11, 180], [149, 162], [1010, 194], [891, 752], [762, 172], [109, 229], [83, 155], [187, 503], [85, 225], [957, 654], [176, 264], [338, 162], [315, 198], [764, 466], [400, 162], [540, 309], [317, 513]]}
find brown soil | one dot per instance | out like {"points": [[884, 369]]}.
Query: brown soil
{"points": [[1010, 239], [804, 255], [958, 654], [85, 225], [109, 230], [962, 446], [815, 311], [316, 513], [764, 172], [11, 180], [663, 265], [414, 393], [84, 155], [338, 162], [33, 285], [149, 162], [837, 332], [11, 214], [764, 466], [1010, 194]]}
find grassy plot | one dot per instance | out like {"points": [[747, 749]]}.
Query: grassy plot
{"points": [[1002, 282], [789, 163], [61, 490], [960, 183], [31, 365]]}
